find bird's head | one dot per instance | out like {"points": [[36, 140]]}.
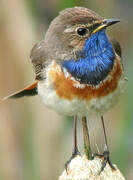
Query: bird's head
{"points": [[69, 31]]}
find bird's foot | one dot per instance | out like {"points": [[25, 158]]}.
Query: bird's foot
{"points": [[74, 154], [106, 159]]}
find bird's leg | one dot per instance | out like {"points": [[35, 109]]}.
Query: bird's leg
{"points": [[106, 153], [87, 147], [75, 151]]}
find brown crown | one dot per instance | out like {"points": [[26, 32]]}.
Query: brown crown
{"points": [[78, 15]]}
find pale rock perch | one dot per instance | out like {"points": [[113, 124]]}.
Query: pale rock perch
{"points": [[81, 168]]}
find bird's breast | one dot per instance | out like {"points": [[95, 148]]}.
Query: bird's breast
{"points": [[68, 88]]}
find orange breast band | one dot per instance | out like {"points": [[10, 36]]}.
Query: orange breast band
{"points": [[65, 88]]}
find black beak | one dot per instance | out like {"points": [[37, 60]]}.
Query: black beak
{"points": [[103, 24], [109, 22]]}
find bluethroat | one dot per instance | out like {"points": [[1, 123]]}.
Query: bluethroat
{"points": [[78, 70]]}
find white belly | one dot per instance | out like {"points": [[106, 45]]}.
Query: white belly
{"points": [[95, 106]]}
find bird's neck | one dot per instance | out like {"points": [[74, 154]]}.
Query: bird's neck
{"points": [[94, 62]]}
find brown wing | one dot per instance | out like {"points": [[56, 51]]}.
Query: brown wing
{"points": [[38, 58], [116, 46]]}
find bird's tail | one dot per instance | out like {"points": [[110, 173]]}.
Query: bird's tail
{"points": [[28, 91]]}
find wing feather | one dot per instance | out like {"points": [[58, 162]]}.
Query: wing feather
{"points": [[38, 59]]}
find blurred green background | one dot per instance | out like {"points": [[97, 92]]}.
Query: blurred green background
{"points": [[36, 142]]}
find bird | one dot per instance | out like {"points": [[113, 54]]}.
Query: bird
{"points": [[78, 70]]}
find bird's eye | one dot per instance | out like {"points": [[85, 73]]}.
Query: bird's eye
{"points": [[82, 31]]}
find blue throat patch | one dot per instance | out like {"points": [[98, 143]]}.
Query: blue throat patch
{"points": [[94, 62]]}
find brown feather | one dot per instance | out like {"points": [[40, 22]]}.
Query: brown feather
{"points": [[116, 46]]}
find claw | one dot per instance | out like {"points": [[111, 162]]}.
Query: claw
{"points": [[74, 154], [106, 159]]}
